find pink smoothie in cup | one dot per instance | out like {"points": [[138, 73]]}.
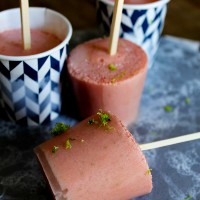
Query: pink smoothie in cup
{"points": [[11, 42], [138, 1], [30, 83], [113, 83]]}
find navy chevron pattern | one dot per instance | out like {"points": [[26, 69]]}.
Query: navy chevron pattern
{"points": [[141, 26], [30, 89]]}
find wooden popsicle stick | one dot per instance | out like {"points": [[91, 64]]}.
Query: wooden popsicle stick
{"points": [[115, 27], [171, 141], [25, 24]]}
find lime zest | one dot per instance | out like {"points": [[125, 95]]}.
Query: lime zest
{"points": [[59, 128], [168, 108], [68, 144], [188, 197], [187, 100], [92, 121], [118, 77], [54, 149], [104, 118], [102, 121], [112, 67], [149, 171]]}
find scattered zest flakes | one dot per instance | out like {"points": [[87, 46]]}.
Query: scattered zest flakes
{"points": [[68, 144], [102, 121], [59, 129], [149, 171], [54, 149], [112, 67], [188, 197], [168, 108], [109, 128], [117, 78], [92, 121], [187, 100], [104, 118]]}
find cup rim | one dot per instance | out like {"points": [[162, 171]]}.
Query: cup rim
{"points": [[138, 6], [45, 53]]}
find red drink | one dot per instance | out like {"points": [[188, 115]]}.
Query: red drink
{"points": [[11, 42]]}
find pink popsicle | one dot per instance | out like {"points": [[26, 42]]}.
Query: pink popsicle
{"points": [[101, 163], [113, 83], [11, 42]]}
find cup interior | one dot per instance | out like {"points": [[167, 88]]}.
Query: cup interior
{"points": [[40, 18]]}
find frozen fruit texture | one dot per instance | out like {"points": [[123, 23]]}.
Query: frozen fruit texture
{"points": [[11, 42], [104, 162], [97, 86]]}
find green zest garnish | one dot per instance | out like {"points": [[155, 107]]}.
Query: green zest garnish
{"points": [[149, 171], [188, 197], [92, 121], [102, 121], [187, 100], [112, 67], [54, 149], [104, 118], [168, 108], [68, 144], [59, 129], [117, 78]]}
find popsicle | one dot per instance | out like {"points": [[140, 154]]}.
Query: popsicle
{"points": [[11, 42], [98, 159], [109, 82]]}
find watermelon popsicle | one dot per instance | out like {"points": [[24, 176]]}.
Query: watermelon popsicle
{"points": [[96, 159], [11, 42], [101, 81]]}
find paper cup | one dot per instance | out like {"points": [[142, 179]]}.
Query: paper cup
{"points": [[30, 85], [141, 23]]}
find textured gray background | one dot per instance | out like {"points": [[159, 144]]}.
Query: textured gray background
{"points": [[174, 76]]}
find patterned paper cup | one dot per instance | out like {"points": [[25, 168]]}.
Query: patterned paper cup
{"points": [[141, 23], [30, 85]]}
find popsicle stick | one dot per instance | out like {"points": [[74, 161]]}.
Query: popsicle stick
{"points": [[115, 26], [25, 24], [171, 141]]}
